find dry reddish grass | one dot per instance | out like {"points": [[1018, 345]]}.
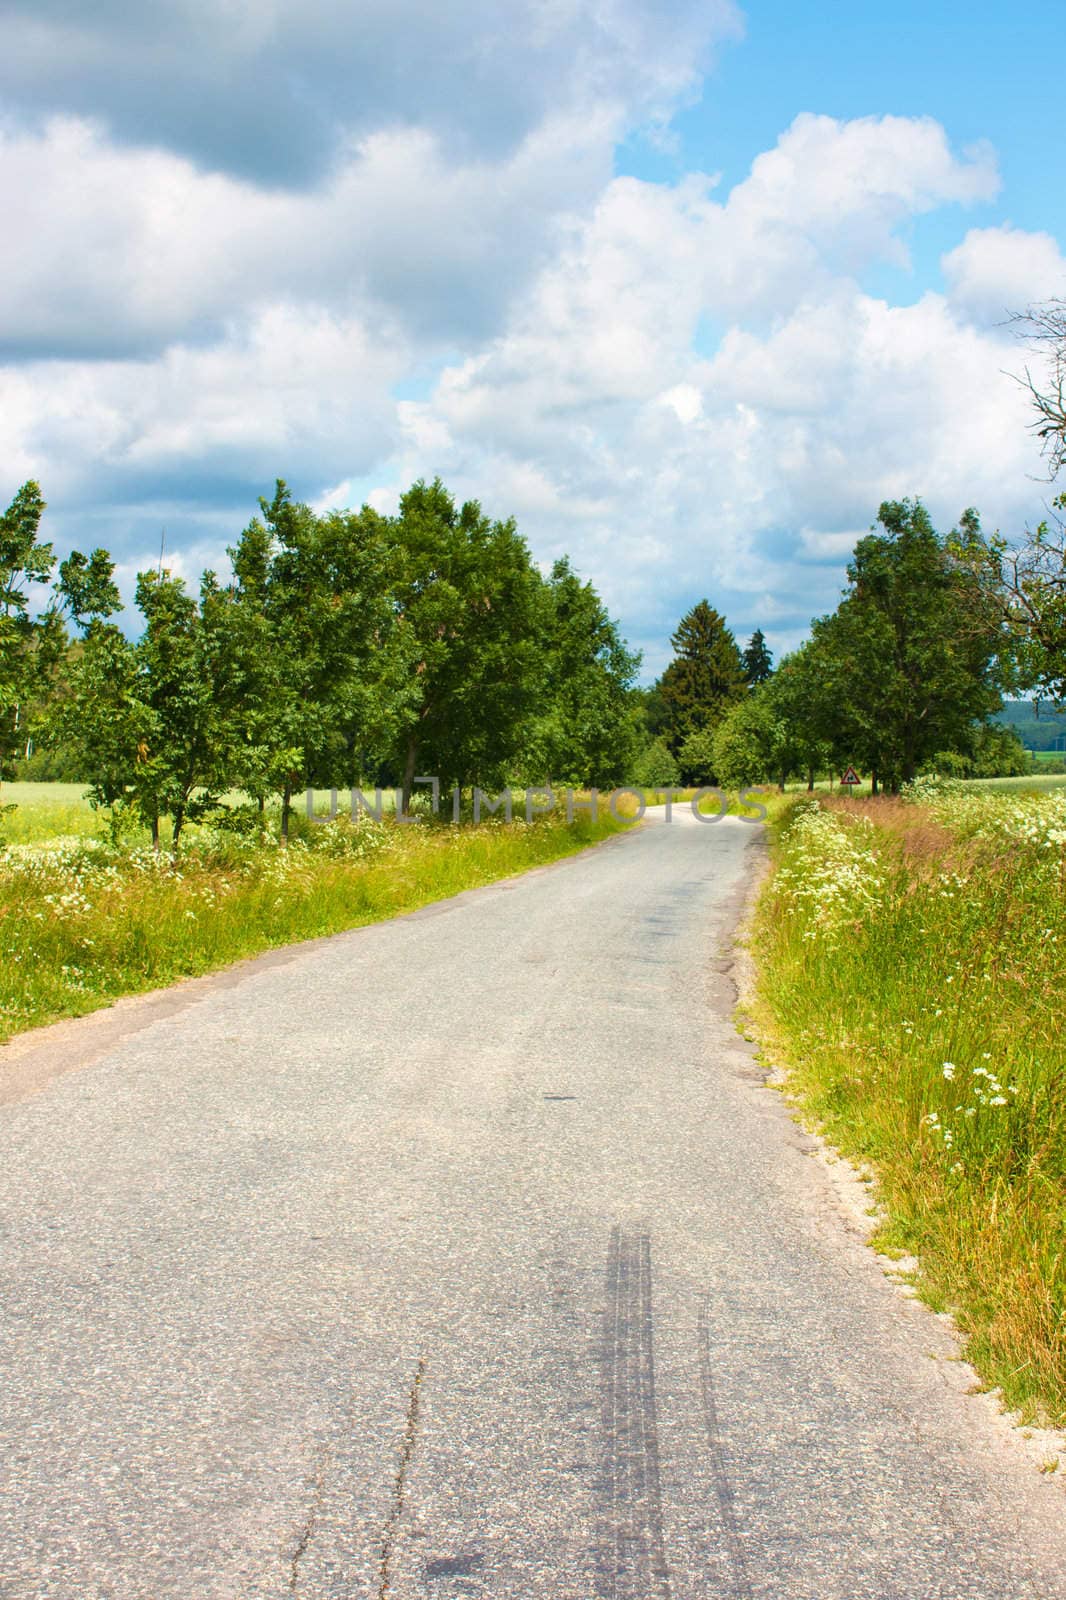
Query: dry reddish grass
{"points": [[922, 840]]}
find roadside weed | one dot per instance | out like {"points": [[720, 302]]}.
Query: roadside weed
{"points": [[912, 977]]}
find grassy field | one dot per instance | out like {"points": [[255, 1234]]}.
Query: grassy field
{"points": [[83, 920], [912, 970], [49, 811], [46, 811], [1035, 781]]}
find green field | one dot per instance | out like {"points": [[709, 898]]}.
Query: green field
{"points": [[46, 811], [1034, 783]]}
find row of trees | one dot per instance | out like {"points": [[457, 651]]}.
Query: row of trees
{"points": [[348, 647], [905, 675], [354, 647], [906, 667]]}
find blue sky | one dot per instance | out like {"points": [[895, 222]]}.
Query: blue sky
{"points": [[352, 245], [985, 71]]}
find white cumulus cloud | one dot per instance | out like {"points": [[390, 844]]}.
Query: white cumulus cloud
{"points": [[354, 249]]}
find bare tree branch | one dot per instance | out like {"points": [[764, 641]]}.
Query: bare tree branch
{"points": [[1044, 327]]}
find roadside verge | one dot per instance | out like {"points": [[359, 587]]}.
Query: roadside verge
{"points": [[902, 978]]}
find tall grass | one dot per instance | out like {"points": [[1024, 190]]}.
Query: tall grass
{"points": [[912, 978], [82, 922]]}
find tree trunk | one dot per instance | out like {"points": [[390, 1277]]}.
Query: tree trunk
{"points": [[286, 811], [873, 781], [810, 780], [909, 763], [409, 774], [784, 777], [179, 823], [155, 831]]}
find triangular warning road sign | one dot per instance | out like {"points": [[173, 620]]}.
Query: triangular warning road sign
{"points": [[850, 777]]}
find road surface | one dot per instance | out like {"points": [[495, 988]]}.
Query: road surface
{"points": [[469, 1255]]}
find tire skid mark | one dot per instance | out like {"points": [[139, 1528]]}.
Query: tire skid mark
{"points": [[740, 1588], [632, 1556], [399, 1488]]}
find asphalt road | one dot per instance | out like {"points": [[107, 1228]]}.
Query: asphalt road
{"points": [[468, 1255]]}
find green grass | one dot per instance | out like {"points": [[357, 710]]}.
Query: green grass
{"points": [[46, 811], [1035, 782], [912, 968], [82, 922]]}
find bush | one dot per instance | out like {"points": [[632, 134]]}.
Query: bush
{"points": [[749, 744], [696, 758], [996, 752], [49, 766], [656, 768]]}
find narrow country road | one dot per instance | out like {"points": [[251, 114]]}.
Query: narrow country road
{"points": [[469, 1255]]}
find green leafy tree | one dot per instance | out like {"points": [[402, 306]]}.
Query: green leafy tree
{"points": [[311, 670], [805, 715], [184, 769], [757, 660], [995, 752], [652, 715], [705, 677], [751, 743], [145, 716], [87, 588], [29, 644], [695, 759], [34, 645], [656, 768], [85, 596], [587, 732], [468, 609], [912, 656], [102, 717]]}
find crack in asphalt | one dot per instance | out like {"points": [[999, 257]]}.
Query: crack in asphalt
{"points": [[306, 1533], [399, 1490]]}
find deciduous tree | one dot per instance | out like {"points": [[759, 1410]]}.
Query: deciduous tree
{"points": [[312, 674], [913, 654], [28, 642], [586, 732], [467, 607]]}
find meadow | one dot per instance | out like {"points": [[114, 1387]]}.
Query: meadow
{"points": [[912, 974], [87, 916]]}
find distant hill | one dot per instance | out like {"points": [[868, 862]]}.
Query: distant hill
{"points": [[1044, 732]]}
